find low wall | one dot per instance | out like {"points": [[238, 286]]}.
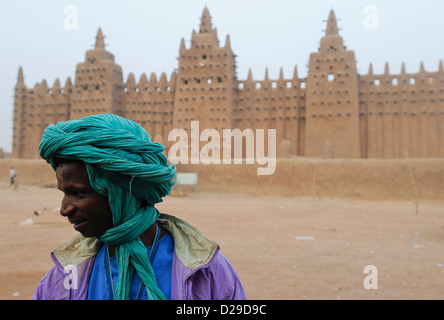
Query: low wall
{"points": [[329, 178], [320, 178], [29, 172]]}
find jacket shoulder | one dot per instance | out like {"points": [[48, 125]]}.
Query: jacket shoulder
{"points": [[192, 247], [68, 278], [49, 287], [76, 251], [217, 281]]}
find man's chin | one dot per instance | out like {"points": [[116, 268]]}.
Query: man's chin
{"points": [[84, 230]]}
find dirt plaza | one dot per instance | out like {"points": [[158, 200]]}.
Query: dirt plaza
{"points": [[281, 247]]}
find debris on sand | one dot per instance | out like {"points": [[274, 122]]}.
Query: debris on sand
{"points": [[28, 221]]}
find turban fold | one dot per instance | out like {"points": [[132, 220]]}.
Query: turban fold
{"points": [[124, 165]]}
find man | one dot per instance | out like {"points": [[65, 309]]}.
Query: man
{"points": [[12, 175], [112, 175]]}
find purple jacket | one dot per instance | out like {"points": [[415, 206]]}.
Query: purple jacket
{"points": [[199, 270]]}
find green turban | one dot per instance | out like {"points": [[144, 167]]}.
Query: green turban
{"points": [[124, 165]]}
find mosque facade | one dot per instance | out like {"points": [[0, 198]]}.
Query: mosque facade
{"points": [[333, 112]]}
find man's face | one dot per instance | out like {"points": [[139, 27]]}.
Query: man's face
{"points": [[86, 209]]}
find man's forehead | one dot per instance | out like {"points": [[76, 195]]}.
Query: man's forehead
{"points": [[72, 171]]}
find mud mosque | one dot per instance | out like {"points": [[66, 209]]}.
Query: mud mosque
{"points": [[334, 108]]}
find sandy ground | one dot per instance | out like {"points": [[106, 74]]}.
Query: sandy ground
{"points": [[282, 248]]}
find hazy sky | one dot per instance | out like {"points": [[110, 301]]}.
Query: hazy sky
{"points": [[144, 36]]}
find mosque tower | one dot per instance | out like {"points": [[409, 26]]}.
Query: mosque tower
{"points": [[332, 109], [205, 80], [98, 83], [19, 112]]}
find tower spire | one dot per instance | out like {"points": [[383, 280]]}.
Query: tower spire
{"points": [[20, 78], [228, 42], [332, 26], [250, 76], [403, 68], [205, 21], [295, 72], [386, 68], [266, 74], [182, 45], [100, 42], [281, 74]]}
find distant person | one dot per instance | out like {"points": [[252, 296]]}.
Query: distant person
{"points": [[112, 175], [12, 175]]}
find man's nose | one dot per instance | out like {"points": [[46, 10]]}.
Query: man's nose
{"points": [[67, 207]]}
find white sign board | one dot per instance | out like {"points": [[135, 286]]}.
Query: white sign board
{"points": [[186, 179]]}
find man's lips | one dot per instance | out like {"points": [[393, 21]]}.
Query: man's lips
{"points": [[78, 224]]}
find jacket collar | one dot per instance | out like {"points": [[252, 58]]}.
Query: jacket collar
{"points": [[192, 247]]}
